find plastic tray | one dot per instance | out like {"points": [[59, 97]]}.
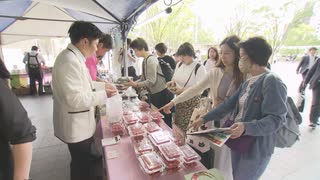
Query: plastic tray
{"points": [[159, 137], [130, 119], [144, 117], [151, 163], [156, 115], [170, 151], [142, 147], [136, 130], [117, 128], [152, 127], [189, 155]]}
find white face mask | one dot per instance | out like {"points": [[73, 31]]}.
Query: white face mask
{"points": [[245, 65]]}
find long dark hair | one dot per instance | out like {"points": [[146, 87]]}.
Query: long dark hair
{"points": [[233, 43]]}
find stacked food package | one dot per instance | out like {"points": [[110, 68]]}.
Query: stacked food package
{"points": [[155, 148]]}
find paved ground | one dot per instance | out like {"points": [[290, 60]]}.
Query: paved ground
{"points": [[51, 158]]}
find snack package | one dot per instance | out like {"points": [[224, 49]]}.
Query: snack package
{"points": [[189, 155], [117, 128], [151, 163], [142, 147], [152, 127], [156, 115], [130, 119], [144, 117], [159, 137], [170, 151]]}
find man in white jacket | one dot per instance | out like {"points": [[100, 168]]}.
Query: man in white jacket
{"points": [[75, 96]]}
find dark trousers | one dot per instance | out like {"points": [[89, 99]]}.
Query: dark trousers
{"points": [[301, 87], [207, 158], [315, 105], [159, 100], [33, 77], [131, 72], [83, 164]]}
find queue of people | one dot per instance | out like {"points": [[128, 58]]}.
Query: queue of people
{"points": [[246, 97]]}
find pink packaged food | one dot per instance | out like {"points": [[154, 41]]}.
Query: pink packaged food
{"points": [[117, 128], [142, 147], [144, 117], [159, 137], [130, 119], [156, 115], [170, 151], [127, 112], [136, 130], [189, 154], [171, 164], [143, 104], [152, 127], [151, 162]]}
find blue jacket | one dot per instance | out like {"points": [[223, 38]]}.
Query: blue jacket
{"points": [[264, 112]]}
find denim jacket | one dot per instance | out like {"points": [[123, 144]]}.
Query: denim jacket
{"points": [[264, 112]]}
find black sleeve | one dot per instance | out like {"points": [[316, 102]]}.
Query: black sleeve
{"points": [[4, 73], [15, 126], [311, 72]]}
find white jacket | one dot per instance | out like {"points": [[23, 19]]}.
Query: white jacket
{"points": [[75, 96]]}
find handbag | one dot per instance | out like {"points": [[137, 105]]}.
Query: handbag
{"points": [[241, 144]]}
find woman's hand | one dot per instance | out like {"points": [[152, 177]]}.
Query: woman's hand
{"points": [[167, 107], [236, 130], [178, 91], [131, 83], [196, 124], [171, 84]]}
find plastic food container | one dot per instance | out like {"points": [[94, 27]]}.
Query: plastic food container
{"points": [[189, 155], [170, 151], [127, 112], [144, 117], [136, 130], [171, 164], [156, 115], [142, 147], [159, 137], [130, 119], [117, 128], [151, 163], [152, 127]]}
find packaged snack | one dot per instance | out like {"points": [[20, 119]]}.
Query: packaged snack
{"points": [[152, 127], [136, 130], [159, 137], [171, 164], [144, 117], [127, 112], [156, 115], [189, 155], [130, 119], [142, 147], [151, 163], [117, 128], [170, 151]]}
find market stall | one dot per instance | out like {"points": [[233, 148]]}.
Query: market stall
{"points": [[147, 148]]}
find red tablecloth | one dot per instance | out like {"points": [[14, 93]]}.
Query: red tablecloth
{"points": [[127, 167]]}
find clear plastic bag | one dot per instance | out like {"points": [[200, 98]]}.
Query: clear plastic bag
{"points": [[114, 109]]}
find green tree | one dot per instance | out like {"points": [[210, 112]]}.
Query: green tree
{"points": [[302, 35]]}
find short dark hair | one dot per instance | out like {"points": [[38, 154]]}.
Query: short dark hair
{"points": [[257, 49], [215, 50], [34, 48], [161, 48], [81, 29], [186, 49], [106, 40], [139, 44], [313, 48]]}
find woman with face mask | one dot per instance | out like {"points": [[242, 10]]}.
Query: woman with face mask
{"points": [[223, 80], [259, 110]]}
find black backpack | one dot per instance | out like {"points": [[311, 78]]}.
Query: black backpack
{"points": [[195, 71], [166, 69]]}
